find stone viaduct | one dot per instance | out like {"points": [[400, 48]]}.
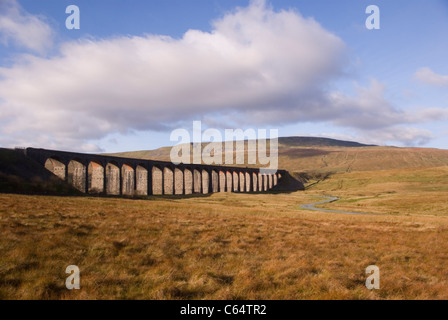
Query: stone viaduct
{"points": [[90, 173]]}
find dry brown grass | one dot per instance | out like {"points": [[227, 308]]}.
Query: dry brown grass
{"points": [[226, 246]]}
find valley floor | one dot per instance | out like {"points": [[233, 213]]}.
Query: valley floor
{"points": [[413, 191], [223, 246]]}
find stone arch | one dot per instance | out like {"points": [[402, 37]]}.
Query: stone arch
{"points": [[188, 177], [76, 175], [229, 181], [254, 182], [197, 181], [178, 181], [168, 181], [270, 181], [157, 180], [141, 180], [112, 179], [248, 182], [56, 166], [265, 182], [222, 181], [95, 173], [236, 184], [215, 181], [242, 182], [128, 180], [205, 181]]}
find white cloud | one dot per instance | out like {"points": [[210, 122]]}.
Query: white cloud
{"points": [[254, 59], [368, 109], [428, 114], [256, 67], [427, 76], [406, 136], [23, 29], [393, 135]]}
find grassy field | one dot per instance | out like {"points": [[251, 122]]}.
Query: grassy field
{"points": [[224, 246], [418, 191], [237, 246]]}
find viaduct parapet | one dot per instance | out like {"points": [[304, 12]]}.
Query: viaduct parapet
{"points": [[90, 173]]}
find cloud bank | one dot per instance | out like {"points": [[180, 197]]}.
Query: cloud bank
{"points": [[427, 76], [256, 67], [23, 29]]}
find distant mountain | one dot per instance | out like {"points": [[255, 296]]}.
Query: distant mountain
{"points": [[319, 142], [325, 155]]}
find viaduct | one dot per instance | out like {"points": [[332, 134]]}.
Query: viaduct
{"points": [[109, 175]]}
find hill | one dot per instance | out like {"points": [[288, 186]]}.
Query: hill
{"points": [[323, 156], [319, 142]]}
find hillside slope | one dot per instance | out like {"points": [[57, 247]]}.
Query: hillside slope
{"points": [[322, 155]]}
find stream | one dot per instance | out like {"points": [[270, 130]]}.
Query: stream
{"points": [[311, 206]]}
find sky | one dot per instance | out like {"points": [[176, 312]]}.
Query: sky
{"points": [[136, 70]]}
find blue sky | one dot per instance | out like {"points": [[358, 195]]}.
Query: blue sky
{"points": [[135, 71]]}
